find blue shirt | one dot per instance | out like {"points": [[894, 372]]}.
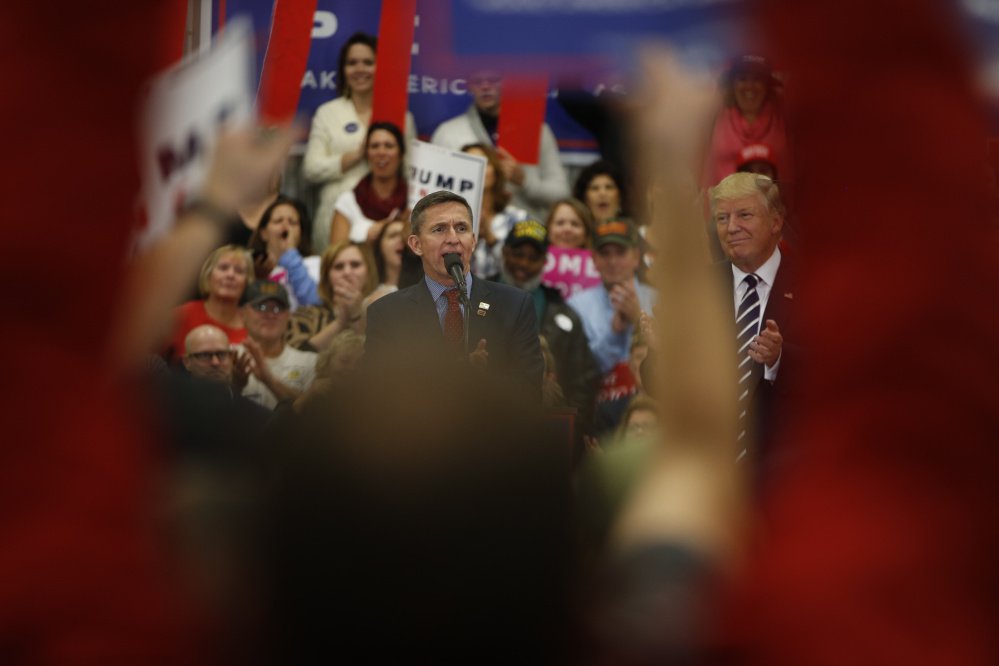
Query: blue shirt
{"points": [[440, 300], [596, 312]]}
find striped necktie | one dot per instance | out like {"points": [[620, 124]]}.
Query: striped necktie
{"points": [[747, 323]]}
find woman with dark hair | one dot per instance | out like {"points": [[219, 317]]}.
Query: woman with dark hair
{"points": [[335, 156], [752, 119], [347, 275], [496, 216], [390, 246], [599, 187], [280, 245], [381, 196]]}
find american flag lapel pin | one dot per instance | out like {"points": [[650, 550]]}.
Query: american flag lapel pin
{"points": [[483, 309]]}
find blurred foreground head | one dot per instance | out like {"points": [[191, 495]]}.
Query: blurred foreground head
{"points": [[424, 522]]}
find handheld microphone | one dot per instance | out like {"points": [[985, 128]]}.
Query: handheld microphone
{"points": [[455, 266]]}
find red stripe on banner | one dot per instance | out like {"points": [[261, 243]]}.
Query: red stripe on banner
{"points": [[220, 17], [173, 34], [395, 51], [522, 111], [285, 60]]}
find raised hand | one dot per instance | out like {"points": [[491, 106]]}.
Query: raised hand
{"points": [[512, 170]]}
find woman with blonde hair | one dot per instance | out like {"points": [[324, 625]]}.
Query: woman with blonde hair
{"points": [[347, 275], [222, 280]]}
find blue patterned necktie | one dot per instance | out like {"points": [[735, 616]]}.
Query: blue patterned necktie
{"points": [[747, 323]]}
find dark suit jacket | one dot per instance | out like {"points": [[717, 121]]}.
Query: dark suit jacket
{"points": [[404, 330], [766, 399], [577, 370]]}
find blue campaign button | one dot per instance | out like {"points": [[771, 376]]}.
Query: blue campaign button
{"points": [[350, 128]]}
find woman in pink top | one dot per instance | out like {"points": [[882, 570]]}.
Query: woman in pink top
{"points": [[752, 116], [224, 276]]}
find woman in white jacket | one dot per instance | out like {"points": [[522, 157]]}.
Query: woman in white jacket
{"points": [[335, 156]]}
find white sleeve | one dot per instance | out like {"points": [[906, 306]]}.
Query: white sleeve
{"points": [[346, 204]]}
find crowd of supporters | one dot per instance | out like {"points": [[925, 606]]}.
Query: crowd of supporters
{"points": [[327, 507]]}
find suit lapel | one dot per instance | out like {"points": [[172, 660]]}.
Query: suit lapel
{"points": [[781, 298], [423, 314], [478, 325]]}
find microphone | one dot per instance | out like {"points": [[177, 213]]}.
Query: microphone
{"points": [[455, 266]]}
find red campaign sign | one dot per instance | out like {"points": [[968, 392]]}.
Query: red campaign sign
{"points": [[285, 60], [570, 270], [171, 49], [522, 112], [395, 49]]}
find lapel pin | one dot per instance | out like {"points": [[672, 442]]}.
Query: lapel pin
{"points": [[788, 294], [483, 309]]}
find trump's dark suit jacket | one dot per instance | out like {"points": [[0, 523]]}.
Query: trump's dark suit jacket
{"points": [[404, 329], [766, 399]]}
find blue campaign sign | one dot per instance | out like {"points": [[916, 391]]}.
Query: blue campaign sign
{"points": [[335, 21], [592, 28]]}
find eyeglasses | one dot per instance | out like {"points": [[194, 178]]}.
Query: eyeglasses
{"points": [[269, 306], [209, 356]]}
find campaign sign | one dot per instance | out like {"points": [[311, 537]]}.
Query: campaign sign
{"points": [[186, 108], [433, 168], [569, 270]]}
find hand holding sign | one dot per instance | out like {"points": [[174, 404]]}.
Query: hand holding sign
{"points": [[244, 164], [512, 170]]}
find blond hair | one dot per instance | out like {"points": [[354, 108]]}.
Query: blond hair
{"points": [[213, 259], [740, 184]]}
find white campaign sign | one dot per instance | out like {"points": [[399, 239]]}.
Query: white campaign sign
{"points": [[433, 168], [186, 108]]}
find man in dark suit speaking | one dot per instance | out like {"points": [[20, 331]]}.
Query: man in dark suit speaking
{"points": [[423, 325]]}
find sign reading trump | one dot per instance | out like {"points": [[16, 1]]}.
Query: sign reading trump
{"points": [[433, 168]]}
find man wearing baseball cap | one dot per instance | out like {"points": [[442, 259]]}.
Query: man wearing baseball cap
{"points": [[274, 371], [524, 252], [611, 311]]}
